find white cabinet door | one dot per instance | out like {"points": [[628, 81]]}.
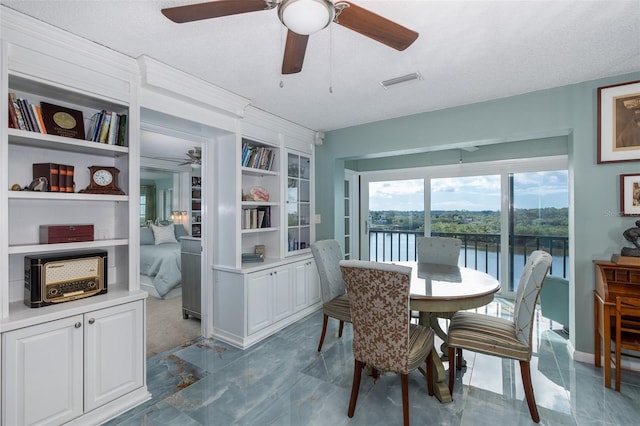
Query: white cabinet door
{"points": [[299, 284], [313, 283], [42, 373], [281, 293], [114, 354], [259, 300]]}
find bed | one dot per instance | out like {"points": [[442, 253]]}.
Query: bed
{"points": [[160, 269]]}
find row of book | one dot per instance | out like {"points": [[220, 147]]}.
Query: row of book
{"points": [[24, 115], [59, 176], [255, 218], [257, 157], [108, 127], [252, 257]]}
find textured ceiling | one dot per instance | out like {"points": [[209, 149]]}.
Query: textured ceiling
{"points": [[467, 52]]}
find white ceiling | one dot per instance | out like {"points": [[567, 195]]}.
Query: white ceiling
{"points": [[467, 52]]}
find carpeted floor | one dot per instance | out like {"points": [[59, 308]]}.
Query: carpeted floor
{"points": [[166, 328]]}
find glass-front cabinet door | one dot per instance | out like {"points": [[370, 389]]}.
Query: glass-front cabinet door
{"points": [[298, 202]]}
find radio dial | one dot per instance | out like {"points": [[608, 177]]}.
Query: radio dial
{"points": [[53, 291]]}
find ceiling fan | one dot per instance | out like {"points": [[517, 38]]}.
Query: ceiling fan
{"points": [[195, 158], [302, 18]]}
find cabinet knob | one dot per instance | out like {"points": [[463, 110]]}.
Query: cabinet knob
{"points": [[92, 320], [78, 325]]}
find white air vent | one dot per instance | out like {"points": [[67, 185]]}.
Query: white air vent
{"points": [[414, 76]]}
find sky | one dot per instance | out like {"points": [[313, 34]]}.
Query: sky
{"points": [[532, 190]]}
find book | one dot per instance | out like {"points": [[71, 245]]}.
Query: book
{"points": [[24, 108], [14, 100], [13, 116], [625, 260], [51, 172], [94, 126], [122, 130], [104, 127], [34, 114], [63, 177], [70, 184], [111, 136], [62, 121], [38, 112], [264, 217], [260, 218], [246, 223], [252, 257]]}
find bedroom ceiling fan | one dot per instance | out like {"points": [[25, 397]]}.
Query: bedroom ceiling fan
{"points": [[195, 158], [302, 18]]}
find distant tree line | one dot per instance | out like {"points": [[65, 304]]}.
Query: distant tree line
{"points": [[548, 221]]}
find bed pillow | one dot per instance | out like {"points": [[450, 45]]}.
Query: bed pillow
{"points": [[146, 236], [180, 231], [163, 234]]}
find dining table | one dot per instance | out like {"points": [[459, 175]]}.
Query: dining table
{"points": [[439, 289]]}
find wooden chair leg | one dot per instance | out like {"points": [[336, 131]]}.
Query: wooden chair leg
{"points": [[618, 360], [341, 328], [430, 373], [355, 386], [324, 331], [405, 398], [459, 361], [528, 391], [452, 368]]}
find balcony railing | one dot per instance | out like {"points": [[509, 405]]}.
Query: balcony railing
{"points": [[479, 251]]}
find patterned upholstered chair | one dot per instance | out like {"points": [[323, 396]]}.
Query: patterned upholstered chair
{"points": [[505, 338], [627, 332], [382, 335], [444, 250], [335, 302]]}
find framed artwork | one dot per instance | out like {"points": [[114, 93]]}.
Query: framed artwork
{"points": [[630, 195], [619, 123]]}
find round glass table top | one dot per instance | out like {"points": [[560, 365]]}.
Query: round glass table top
{"points": [[432, 281]]}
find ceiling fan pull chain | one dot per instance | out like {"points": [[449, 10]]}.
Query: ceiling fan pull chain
{"points": [[331, 58]]}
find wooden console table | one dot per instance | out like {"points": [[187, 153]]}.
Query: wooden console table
{"points": [[612, 280]]}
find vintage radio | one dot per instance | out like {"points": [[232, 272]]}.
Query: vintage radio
{"points": [[62, 277]]}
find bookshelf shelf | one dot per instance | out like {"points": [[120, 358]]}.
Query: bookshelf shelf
{"points": [[46, 248], [75, 196], [60, 143], [259, 172], [259, 230]]}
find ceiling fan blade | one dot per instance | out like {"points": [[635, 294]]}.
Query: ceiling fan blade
{"points": [[294, 51], [213, 9], [375, 26]]}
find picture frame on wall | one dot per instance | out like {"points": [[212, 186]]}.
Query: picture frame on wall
{"points": [[630, 195], [619, 123]]}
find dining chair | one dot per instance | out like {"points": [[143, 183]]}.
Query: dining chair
{"points": [[505, 338], [444, 250], [383, 337], [335, 302], [627, 332]]}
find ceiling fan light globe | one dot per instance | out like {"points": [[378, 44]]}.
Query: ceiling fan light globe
{"points": [[306, 17]]}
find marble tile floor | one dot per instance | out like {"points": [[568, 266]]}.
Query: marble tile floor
{"points": [[284, 381]]}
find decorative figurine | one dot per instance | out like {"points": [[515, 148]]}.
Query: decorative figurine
{"points": [[632, 235], [40, 184]]}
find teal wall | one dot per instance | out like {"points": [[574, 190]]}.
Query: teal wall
{"points": [[548, 121]]}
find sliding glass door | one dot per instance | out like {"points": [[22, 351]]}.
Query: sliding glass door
{"points": [[392, 217], [501, 212]]}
